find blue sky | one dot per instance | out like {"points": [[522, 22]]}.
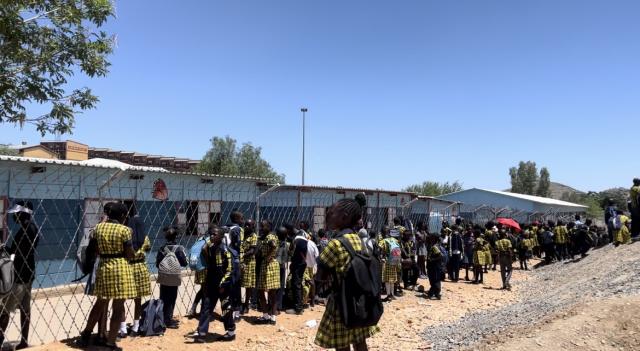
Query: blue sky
{"points": [[398, 91]]}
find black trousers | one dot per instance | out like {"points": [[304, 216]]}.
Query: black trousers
{"points": [[210, 301], [434, 271], [454, 263], [549, 252], [635, 223], [168, 295], [410, 275], [297, 275], [236, 297]]}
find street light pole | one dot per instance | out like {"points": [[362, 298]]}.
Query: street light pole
{"points": [[304, 111]]}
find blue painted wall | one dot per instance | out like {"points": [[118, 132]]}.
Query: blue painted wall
{"points": [[60, 192]]}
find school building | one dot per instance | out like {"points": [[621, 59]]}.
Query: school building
{"points": [[68, 197], [481, 205]]}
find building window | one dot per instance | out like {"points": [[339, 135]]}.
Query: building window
{"points": [[197, 216]]}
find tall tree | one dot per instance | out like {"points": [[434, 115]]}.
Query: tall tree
{"points": [[429, 188], [42, 44], [226, 158], [525, 179], [544, 183]]}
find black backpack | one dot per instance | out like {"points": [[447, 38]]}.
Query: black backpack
{"points": [[358, 295], [152, 321], [87, 254]]}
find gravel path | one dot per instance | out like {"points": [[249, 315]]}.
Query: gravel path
{"points": [[605, 272]]}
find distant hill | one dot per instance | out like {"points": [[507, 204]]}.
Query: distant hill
{"points": [[560, 191]]}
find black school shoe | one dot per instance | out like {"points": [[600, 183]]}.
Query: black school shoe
{"points": [[84, 341], [227, 338]]}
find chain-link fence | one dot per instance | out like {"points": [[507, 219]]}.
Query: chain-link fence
{"points": [[484, 213], [68, 200]]}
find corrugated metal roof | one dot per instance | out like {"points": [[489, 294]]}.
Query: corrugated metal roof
{"points": [[422, 197], [338, 188], [131, 168], [536, 199], [103, 162]]}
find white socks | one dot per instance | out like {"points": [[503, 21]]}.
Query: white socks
{"points": [[231, 333], [265, 316], [134, 328], [273, 318], [389, 289]]}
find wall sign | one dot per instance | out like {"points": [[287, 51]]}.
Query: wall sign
{"points": [[160, 191]]}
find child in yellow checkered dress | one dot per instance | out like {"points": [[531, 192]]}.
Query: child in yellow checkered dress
{"points": [[249, 264], [479, 259], [269, 274], [389, 271], [141, 245], [622, 235], [332, 332], [141, 270], [114, 276], [249, 246]]}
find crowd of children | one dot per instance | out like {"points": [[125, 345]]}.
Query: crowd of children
{"points": [[285, 269], [289, 269]]}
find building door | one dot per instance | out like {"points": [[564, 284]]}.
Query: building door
{"points": [[319, 218]]}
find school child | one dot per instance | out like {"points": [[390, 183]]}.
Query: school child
{"points": [[561, 238], [332, 332], [434, 268], [114, 277], [622, 233], [217, 287], [469, 242], [525, 247], [391, 253], [141, 276], [410, 270], [169, 284], [269, 274], [479, 260], [249, 246], [505, 258]]}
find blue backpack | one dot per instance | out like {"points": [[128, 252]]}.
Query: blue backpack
{"points": [[196, 261]]}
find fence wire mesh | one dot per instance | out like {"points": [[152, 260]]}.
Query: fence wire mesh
{"points": [[68, 202], [485, 213]]}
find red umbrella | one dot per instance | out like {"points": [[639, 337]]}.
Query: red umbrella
{"points": [[509, 223]]}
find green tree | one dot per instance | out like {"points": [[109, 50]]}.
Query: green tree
{"points": [[619, 196], [5, 150], [226, 158], [429, 188], [544, 183], [42, 44], [526, 180]]}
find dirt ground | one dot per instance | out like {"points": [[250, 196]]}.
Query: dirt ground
{"points": [[402, 323], [611, 324]]}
